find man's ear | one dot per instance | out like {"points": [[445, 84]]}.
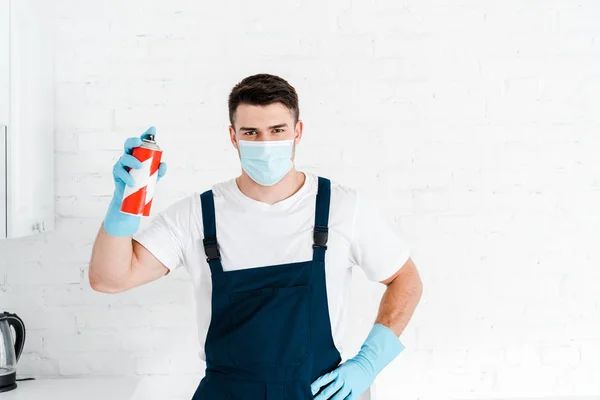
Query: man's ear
{"points": [[232, 136], [298, 131]]}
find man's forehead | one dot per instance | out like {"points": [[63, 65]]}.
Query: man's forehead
{"points": [[262, 114]]}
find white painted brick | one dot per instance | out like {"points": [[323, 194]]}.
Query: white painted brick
{"points": [[149, 338], [580, 381], [109, 317], [590, 353], [2, 274], [83, 341], [526, 381], [417, 44], [586, 329], [72, 69], [74, 366], [94, 363], [128, 93], [82, 118], [144, 339], [156, 364], [156, 9], [136, 117], [110, 141], [36, 366], [20, 297], [347, 46], [172, 315], [70, 9], [51, 319], [522, 355], [168, 49], [86, 162], [126, 71], [87, 184], [74, 31], [186, 362], [79, 254], [38, 274], [281, 45], [561, 355], [485, 359], [187, 95], [65, 140], [578, 17], [34, 342], [81, 37], [83, 207], [178, 26], [451, 359]]}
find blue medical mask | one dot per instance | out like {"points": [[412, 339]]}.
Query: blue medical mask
{"points": [[266, 162]]}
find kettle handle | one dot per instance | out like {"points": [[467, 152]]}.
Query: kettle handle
{"points": [[17, 323]]}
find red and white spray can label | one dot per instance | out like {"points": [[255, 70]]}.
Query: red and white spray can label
{"points": [[137, 200]]}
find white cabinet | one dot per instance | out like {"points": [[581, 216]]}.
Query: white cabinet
{"points": [[26, 118]]}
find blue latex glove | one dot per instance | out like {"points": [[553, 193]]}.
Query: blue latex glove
{"points": [[356, 375], [117, 223]]}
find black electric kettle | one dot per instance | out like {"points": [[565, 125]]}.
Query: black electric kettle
{"points": [[9, 352]]}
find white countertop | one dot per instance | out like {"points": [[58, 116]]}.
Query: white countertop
{"points": [[102, 388], [67, 389]]}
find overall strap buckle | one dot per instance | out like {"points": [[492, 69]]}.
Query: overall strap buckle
{"points": [[320, 236], [211, 248]]}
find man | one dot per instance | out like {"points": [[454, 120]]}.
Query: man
{"points": [[270, 255]]}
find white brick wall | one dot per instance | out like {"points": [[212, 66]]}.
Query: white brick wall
{"points": [[474, 124]]}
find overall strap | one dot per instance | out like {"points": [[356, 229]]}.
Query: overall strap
{"points": [[211, 247], [321, 230]]}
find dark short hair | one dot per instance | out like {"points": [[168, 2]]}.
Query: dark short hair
{"points": [[262, 90]]}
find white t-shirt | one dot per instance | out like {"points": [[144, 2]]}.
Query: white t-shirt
{"points": [[254, 234]]}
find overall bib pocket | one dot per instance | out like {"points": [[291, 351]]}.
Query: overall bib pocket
{"points": [[270, 326]]}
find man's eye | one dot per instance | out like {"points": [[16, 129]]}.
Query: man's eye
{"points": [[277, 130], [250, 132]]}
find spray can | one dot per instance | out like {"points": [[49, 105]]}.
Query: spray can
{"points": [[137, 200]]}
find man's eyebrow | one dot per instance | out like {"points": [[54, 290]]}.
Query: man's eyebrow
{"points": [[243, 128]]}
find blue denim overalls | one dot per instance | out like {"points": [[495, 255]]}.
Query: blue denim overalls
{"points": [[270, 334]]}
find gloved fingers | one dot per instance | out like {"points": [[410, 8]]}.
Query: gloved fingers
{"points": [[130, 161], [149, 131], [162, 169], [323, 381], [130, 143], [330, 390], [119, 173], [345, 393]]}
